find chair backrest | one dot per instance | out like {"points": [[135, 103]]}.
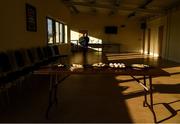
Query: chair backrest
{"points": [[49, 51], [26, 57], [20, 62], [56, 50], [5, 65], [45, 51], [35, 55], [31, 55], [40, 54]]}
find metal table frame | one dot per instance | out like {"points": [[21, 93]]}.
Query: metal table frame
{"points": [[146, 91], [54, 81]]}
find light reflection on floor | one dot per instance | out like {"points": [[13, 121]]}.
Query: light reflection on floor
{"points": [[123, 56]]}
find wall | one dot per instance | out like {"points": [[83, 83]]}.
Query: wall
{"points": [[171, 39], [14, 35], [129, 37], [153, 25], [13, 22]]}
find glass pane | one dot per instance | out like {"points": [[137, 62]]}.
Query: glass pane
{"points": [[57, 32], [74, 37], [61, 33], [50, 31], [65, 33]]}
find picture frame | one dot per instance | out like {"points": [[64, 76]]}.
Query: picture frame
{"points": [[31, 19]]}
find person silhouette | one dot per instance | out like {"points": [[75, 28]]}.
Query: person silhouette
{"points": [[84, 41]]}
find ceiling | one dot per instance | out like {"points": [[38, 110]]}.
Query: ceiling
{"points": [[129, 8]]}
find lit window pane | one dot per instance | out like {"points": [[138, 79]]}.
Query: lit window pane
{"points": [[61, 33], [66, 33], [50, 31], [57, 32], [74, 37]]}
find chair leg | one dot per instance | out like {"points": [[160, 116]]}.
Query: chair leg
{"points": [[5, 99]]}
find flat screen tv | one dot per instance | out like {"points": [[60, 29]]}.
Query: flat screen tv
{"points": [[111, 29]]}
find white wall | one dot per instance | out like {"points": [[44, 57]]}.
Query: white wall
{"points": [[154, 25], [173, 51], [129, 37], [171, 39], [13, 31]]}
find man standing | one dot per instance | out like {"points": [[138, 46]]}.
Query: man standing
{"points": [[86, 39]]}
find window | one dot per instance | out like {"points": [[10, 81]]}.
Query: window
{"points": [[65, 33], [57, 32], [61, 33], [74, 38], [50, 30]]}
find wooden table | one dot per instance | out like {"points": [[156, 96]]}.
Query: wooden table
{"points": [[54, 71]]}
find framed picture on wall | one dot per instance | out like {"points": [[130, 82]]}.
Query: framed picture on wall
{"points": [[31, 22]]}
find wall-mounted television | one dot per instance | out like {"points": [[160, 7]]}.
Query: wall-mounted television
{"points": [[111, 29]]}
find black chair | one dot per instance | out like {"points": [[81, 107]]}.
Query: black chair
{"points": [[32, 59], [27, 60], [42, 57], [9, 71], [57, 54], [7, 75], [22, 68], [48, 54], [5, 68], [36, 57], [56, 50], [40, 54]]}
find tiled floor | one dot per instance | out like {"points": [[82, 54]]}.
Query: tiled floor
{"points": [[97, 98]]}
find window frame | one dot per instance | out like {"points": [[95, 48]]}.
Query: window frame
{"points": [[62, 38]]}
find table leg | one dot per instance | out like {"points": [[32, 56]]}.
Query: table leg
{"points": [[53, 89], [151, 99], [56, 89], [145, 92], [50, 103]]}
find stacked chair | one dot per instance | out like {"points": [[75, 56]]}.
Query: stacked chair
{"points": [[16, 65]]}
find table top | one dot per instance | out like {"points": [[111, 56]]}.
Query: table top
{"points": [[88, 69]]}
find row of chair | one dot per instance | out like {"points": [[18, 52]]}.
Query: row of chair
{"points": [[16, 64]]}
